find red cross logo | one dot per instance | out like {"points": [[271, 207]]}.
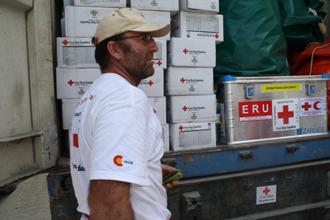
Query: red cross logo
{"points": [[181, 128], [286, 114], [216, 35], [185, 108], [266, 190], [159, 62], [185, 50], [65, 42], [150, 83], [75, 140], [182, 80], [70, 82], [306, 106]]}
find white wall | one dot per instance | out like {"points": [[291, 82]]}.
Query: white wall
{"points": [[28, 132]]}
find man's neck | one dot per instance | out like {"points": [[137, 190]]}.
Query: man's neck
{"points": [[118, 69]]}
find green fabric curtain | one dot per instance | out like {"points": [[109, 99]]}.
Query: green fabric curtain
{"points": [[254, 42]]}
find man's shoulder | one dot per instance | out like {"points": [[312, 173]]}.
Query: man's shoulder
{"points": [[114, 87]]}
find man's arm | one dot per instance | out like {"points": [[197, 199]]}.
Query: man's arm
{"points": [[110, 200]]}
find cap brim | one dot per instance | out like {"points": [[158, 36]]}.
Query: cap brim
{"points": [[155, 30]]}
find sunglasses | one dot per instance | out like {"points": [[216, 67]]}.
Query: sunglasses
{"points": [[144, 37]]}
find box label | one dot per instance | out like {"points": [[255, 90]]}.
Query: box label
{"points": [[255, 110], [283, 87], [285, 114], [312, 106], [266, 194], [195, 134]]}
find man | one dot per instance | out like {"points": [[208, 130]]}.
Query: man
{"points": [[116, 139]]}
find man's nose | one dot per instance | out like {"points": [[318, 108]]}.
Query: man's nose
{"points": [[153, 46]]}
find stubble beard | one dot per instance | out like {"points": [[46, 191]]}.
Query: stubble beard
{"points": [[136, 65]]}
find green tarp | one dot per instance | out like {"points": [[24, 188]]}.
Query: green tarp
{"points": [[257, 32], [254, 42]]}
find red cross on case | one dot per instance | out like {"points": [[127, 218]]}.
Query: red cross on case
{"points": [[306, 106], [266, 190], [285, 114]]}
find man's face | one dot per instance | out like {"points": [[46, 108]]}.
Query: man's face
{"points": [[138, 49]]}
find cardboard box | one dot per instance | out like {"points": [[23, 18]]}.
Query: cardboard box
{"points": [[159, 106], [68, 107], [184, 52], [191, 108], [75, 52], [160, 57], [153, 86], [156, 5], [189, 81], [208, 6], [188, 136], [82, 21], [198, 25], [101, 3], [158, 17], [73, 83], [166, 137]]}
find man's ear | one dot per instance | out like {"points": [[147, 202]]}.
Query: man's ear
{"points": [[114, 50]]}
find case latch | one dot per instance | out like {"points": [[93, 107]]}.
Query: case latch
{"points": [[249, 92]]}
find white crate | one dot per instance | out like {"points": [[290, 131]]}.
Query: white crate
{"points": [[82, 21], [101, 3], [198, 25], [189, 81], [75, 53], [191, 108], [73, 83], [184, 52], [156, 5], [188, 136], [209, 6]]}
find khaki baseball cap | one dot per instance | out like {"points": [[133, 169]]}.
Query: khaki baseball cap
{"points": [[127, 19]]}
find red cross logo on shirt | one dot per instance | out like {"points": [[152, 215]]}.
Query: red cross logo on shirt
{"points": [[182, 80], [185, 50], [150, 83], [159, 62], [266, 190], [65, 42], [185, 108], [181, 128], [216, 35], [70, 82], [285, 114], [306, 106]]}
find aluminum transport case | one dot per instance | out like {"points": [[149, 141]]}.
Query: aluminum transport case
{"points": [[271, 108]]}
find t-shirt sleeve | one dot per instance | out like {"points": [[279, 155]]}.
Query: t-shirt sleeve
{"points": [[118, 150]]}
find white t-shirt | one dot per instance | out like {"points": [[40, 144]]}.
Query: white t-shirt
{"points": [[115, 135]]}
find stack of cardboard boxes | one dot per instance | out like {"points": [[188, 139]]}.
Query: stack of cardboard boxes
{"points": [[185, 62], [189, 80], [76, 66]]}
